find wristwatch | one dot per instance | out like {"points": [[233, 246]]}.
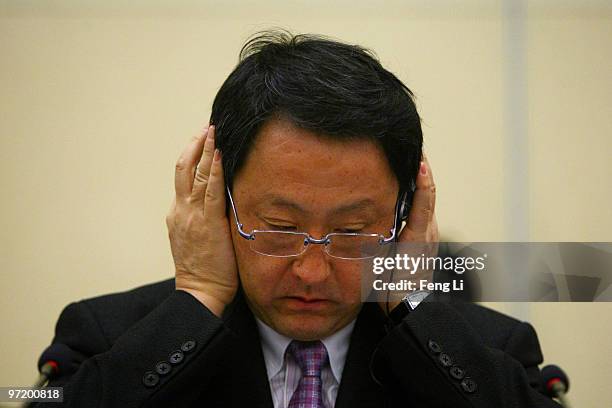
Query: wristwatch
{"points": [[407, 305]]}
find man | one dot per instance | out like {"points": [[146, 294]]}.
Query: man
{"points": [[320, 149]]}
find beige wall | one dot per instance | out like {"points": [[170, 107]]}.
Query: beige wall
{"points": [[97, 102]]}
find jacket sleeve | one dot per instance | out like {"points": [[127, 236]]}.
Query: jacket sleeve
{"points": [[180, 333], [456, 367]]}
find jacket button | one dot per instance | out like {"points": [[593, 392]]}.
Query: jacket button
{"points": [[445, 360], [188, 346], [176, 357], [163, 368], [150, 379], [434, 347], [468, 385], [457, 372]]}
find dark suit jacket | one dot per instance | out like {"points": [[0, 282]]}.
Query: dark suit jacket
{"points": [[441, 355]]}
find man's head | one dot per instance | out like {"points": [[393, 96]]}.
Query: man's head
{"points": [[316, 137]]}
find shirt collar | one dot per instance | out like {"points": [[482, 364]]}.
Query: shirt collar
{"points": [[274, 345]]}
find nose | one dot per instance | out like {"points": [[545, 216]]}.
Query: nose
{"points": [[313, 266]]}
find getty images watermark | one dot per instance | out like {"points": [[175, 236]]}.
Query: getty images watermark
{"points": [[492, 271], [412, 272]]}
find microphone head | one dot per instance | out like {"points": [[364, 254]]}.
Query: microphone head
{"points": [[61, 356], [552, 374]]}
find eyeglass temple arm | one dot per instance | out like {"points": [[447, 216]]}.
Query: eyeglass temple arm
{"points": [[238, 224]]}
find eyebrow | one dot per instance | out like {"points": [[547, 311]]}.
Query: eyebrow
{"points": [[363, 204]]}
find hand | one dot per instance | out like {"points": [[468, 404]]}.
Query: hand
{"points": [[421, 229], [198, 228]]}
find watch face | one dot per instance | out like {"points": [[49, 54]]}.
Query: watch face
{"points": [[413, 299], [408, 303]]}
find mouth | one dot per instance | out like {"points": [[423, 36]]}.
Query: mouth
{"points": [[301, 303]]}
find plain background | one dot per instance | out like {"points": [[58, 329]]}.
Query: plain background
{"points": [[99, 98]]}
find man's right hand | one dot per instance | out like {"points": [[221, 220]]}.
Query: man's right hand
{"points": [[198, 227]]}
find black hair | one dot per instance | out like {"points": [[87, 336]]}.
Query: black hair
{"points": [[321, 85]]}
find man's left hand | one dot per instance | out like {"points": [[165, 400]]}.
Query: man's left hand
{"points": [[421, 228]]}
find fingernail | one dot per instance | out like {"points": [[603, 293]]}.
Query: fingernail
{"points": [[423, 169], [217, 155], [212, 131]]}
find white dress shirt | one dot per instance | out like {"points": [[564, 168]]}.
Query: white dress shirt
{"points": [[284, 374]]}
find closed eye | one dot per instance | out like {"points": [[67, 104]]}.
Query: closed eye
{"points": [[276, 227], [349, 230]]}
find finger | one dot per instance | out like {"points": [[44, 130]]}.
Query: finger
{"points": [[214, 199], [423, 204], [430, 178], [183, 173], [203, 169]]}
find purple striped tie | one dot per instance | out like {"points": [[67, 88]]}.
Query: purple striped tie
{"points": [[310, 356]]}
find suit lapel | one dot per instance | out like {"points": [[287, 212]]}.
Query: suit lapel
{"points": [[357, 388], [248, 368]]}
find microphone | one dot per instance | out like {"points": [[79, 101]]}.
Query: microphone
{"points": [[556, 383], [54, 361]]}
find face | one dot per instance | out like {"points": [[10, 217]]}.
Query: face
{"points": [[296, 180]]}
